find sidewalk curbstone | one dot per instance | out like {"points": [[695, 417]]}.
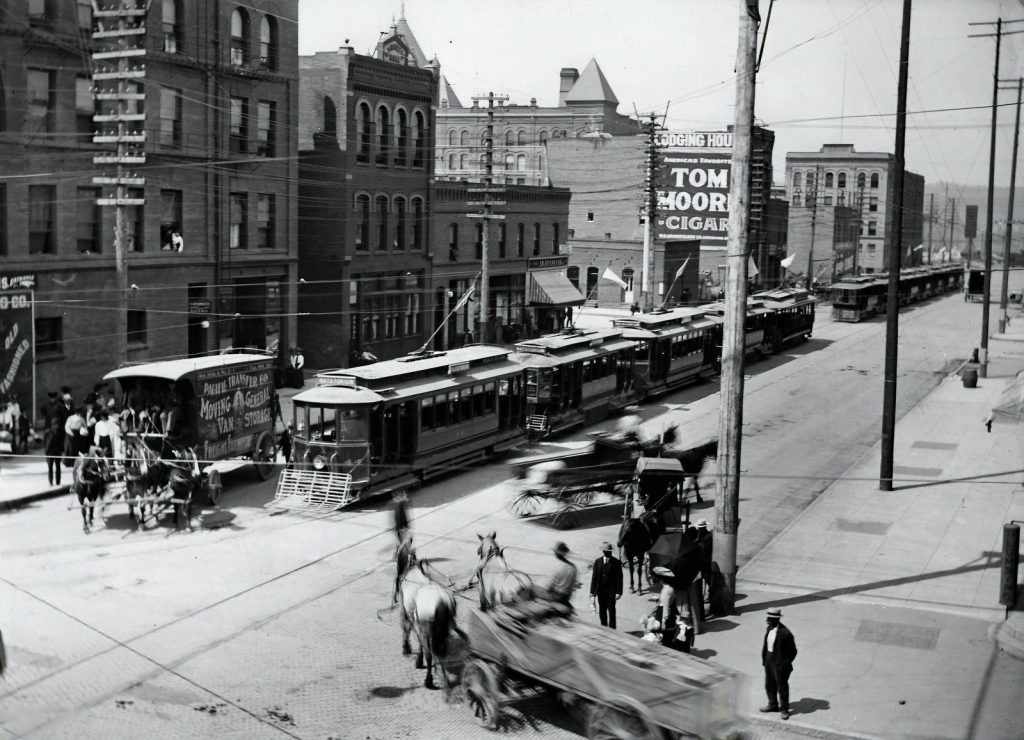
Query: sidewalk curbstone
{"points": [[1009, 635], [16, 503], [797, 729]]}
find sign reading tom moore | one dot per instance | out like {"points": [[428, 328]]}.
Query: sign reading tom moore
{"points": [[16, 347], [235, 405], [693, 186]]}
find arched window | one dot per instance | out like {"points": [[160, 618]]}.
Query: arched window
{"points": [[382, 221], [464, 138], [268, 42], [419, 139], [861, 178], [364, 133], [543, 138], [841, 180], [809, 180], [452, 161], [463, 161], [509, 138], [239, 37], [362, 222], [483, 162], [521, 137], [796, 179], [521, 162], [510, 162], [573, 273], [829, 180], [417, 223], [401, 225], [383, 134], [591, 281], [402, 139], [330, 117], [451, 137], [171, 22], [874, 179]]}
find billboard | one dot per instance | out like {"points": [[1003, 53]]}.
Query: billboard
{"points": [[970, 222], [234, 406], [692, 181], [18, 348]]}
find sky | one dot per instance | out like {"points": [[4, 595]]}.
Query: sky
{"points": [[831, 61]]}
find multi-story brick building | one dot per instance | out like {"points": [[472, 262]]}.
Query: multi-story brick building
{"points": [[840, 175], [216, 102], [366, 136]]}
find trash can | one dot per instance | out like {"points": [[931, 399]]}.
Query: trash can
{"points": [[969, 375]]}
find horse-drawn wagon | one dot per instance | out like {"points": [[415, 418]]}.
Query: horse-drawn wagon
{"points": [[632, 688]]}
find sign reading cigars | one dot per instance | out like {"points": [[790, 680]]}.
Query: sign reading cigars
{"points": [[693, 186], [16, 352], [234, 406]]}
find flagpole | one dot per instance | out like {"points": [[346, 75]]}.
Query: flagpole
{"points": [[462, 302], [572, 324]]}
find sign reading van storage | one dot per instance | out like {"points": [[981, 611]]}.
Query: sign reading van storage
{"points": [[693, 186]]}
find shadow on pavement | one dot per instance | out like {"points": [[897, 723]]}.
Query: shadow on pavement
{"points": [[808, 705], [719, 624]]}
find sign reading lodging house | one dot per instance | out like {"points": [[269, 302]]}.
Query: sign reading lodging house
{"points": [[693, 187]]}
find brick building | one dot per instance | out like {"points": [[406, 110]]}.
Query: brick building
{"points": [[840, 175], [836, 231], [366, 137], [216, 102], [529, 288]]}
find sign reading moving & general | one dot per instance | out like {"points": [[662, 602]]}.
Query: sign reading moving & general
{"points": [[693, 187]]}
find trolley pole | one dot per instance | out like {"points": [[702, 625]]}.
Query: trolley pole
{"points": [[892, 304], [731, 418], [1007, 235], [485, 272]]}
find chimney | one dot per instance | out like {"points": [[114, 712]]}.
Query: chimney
{"points": [[566, 79]]}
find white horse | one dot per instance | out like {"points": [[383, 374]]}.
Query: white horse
{"points": [[499, 583]]}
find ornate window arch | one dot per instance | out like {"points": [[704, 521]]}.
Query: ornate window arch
{"points": [[829, 180], [330, 126], [381, 207], [521, 162], [401, 136], [418, 222], [239, 37], [383, 123], [796, 178], [874, 179], [521, 137], [464, 138], [268, 42], [451, 137], [362, 209], [841, 180], [861, 179], [509, 137], [419, 138], [542, 137], [364, 131]]}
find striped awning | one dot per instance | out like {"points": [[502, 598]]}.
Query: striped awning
{"points": [[552, 288]]}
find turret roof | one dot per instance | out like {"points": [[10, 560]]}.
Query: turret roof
{"points": [[592, 87]]}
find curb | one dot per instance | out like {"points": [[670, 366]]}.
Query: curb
{"points": [[1009, 635], [16, 503], [800, 730]]}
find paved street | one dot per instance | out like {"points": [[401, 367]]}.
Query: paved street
{"points": [[277, 625]]}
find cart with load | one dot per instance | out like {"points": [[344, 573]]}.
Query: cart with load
{"points": [[632, 688]]}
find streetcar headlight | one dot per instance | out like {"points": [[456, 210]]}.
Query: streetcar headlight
{"points": [[319, 462]]}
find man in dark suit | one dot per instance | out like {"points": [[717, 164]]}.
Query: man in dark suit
{"points": [[778, 651], [606, 585]]}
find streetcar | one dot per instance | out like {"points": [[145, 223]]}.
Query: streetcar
{"points": [[863, 296]]}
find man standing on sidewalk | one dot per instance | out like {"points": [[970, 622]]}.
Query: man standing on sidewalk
{"points": [[606, 585], [778, 651]]}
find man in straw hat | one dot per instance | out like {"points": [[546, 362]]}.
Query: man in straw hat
{"points": [[778, 651], [606, 585], [563, 581]]}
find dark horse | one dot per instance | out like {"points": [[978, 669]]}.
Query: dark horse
{"points": [[174, 473], [88, 478], [693, 461], [637, 536]]}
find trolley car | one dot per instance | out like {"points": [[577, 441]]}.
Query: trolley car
{"points": [[858, 298]]}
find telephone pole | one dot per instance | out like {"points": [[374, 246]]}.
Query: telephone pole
{"points": [[986, 299], [814, 223], [892, 324], [952, 229], [1009, 215], [731, 416], [931, 222], [484, 328], [650, 211]]}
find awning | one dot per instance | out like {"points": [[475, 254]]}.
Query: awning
{"points": [[552, 288], [1010, 408]]}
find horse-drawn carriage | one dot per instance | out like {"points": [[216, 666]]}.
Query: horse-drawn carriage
{"points": [[179, 416]]}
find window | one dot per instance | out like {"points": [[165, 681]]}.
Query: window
{"points": [[266, 119], [521, 138], [873, 203], [40, 10], [239, 221], [509, 138], [265, 211], [364, 133], [536, 240], [841, 180], [591, 280], [401, 222], [171, 19], [502, 240], [464, 138], [170, 220], [383, 134], [828, 180], [520, 240], [478, 241], [872, 228], [871, 250], [573, 273], [136, 327], [555, 237], [239, 37], [627, 278], [41, 201], [809, 180], [796, 179], [87, 223], [418, 216], [874, 179], [419, 139], [521, 162], [239, 125], [590, 216], [268, 42], [451, 137], [402, 139], [136, 232], [510, 162], [463, 161], [796, 199], [828, 200], [85, 106], [382, 221], [861, 179], [452, 163], [362, 222], [542, 137], [453, 242], [50, 336], [40, 112], [170, 117]]}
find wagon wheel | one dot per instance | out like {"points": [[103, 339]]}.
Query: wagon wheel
{"points": [[526, 503], [622, 720], [480, 686], [264, 456]]}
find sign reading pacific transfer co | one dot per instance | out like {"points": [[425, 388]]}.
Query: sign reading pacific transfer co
{"points": [[693, 187], [16, 347]]}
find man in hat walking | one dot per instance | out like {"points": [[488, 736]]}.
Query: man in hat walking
{"points": [[606, 585], [563, 581], [778, 651]]}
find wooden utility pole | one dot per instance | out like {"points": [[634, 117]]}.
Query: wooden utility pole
{"points": [[892, 304], [650, 212], [1007, 235], [814, 222], [484, 328], [931, 221], [730, 428]]}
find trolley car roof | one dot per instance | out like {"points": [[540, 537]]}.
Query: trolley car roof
{"points": [[536, 359], [178, 369], [550, 343], [412, 365]]}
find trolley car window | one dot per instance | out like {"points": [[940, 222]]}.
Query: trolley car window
{"points": [[440, 411], [466, 404], [301, 421], [351, 425], [321, 423], [453, 408], [489, 398], [478, 401], [427, 414]]}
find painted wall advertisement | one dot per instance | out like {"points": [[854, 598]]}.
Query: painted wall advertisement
{"points": [[235, 405], [16, 352], [693, 187]]}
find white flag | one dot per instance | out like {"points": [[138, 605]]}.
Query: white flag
{"points": [[679, 272], [465, 299], [919, 247], [610, 275], [788, 261], [752, 268]]}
